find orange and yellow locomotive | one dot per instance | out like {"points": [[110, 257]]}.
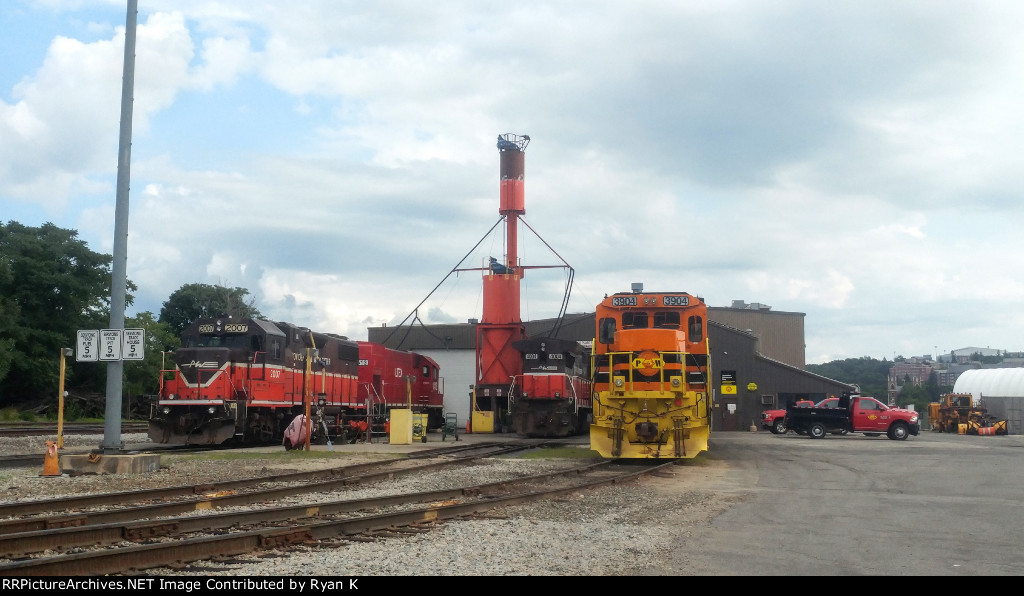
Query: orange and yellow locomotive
{"points": [[652, 378]]}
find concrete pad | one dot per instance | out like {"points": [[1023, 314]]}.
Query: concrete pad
{"points": [[136, 463]]}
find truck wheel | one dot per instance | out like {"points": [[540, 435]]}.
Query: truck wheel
{"points": [[899, 431], [816, 430], [779, 427]]}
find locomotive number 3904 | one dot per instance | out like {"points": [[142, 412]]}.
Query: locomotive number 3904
{"points": [[676, 300]]}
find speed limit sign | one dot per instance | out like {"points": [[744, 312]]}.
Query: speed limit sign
{"points": [[88, 345], [133, 344]]}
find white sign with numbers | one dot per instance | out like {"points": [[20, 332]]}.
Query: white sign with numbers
{"points": [[88, 345], [133, 345], [110, 344]]}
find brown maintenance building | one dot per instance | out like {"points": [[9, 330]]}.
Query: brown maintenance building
{"points": [[757, 359]]}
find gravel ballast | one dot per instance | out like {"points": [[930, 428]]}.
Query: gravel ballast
{"points": [[622, 529]]}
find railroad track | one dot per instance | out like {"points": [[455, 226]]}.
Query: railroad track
{"points": [[78, 428], [114, 539], [28, 460]]}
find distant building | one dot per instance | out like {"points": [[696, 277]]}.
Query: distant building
{"points": [[1000, 390], [962, 355]]}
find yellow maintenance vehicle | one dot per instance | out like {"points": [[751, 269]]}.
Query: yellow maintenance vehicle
{"points": [[957, 413]]}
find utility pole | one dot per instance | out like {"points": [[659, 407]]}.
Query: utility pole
{"points": [[115, 369]]}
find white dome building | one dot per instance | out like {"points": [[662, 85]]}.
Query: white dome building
{"points": [[1000, 389]]}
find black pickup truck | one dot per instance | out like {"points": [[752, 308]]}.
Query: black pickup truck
{"points": [[856, 414]]}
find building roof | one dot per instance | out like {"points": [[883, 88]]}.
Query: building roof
{"points": [[991, 382]]}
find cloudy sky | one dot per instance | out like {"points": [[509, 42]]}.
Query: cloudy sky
{"points": [[859, 162]]}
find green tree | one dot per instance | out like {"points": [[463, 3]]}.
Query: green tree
{"points": [[872, 376], [9, 312], [142, 377], [197, 301], [917, 395], [52, 284]]}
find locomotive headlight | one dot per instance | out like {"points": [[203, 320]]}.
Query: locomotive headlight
{"points": [[619, 381], [172, 396], [676, 382], [211, 409], [166, 410]]}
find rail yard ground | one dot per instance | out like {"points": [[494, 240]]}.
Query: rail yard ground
{"points": [[757, 504]]}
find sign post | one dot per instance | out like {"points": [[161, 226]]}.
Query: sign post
{"points": [[64, 353]]}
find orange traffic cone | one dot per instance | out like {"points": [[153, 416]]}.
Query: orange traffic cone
{"points": [[51, 466]]}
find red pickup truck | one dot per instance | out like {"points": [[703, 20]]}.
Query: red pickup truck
{"points": [[775, 420], [854, 413]]}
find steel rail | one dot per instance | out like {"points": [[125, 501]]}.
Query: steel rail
{"points": [[336, 476], [159, 524], [175, 552]]}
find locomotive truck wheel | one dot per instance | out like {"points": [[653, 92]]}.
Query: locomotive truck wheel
{"points": [[816, 430], [779, 427], [899, 431]]}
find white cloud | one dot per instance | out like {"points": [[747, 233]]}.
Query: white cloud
{"points": [[857, 163]]}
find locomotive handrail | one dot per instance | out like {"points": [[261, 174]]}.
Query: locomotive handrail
{"points": [[262, 366], [627, 366]]}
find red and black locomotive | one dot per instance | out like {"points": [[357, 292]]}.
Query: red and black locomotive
{"points": [[552, 395], [247, 379]]}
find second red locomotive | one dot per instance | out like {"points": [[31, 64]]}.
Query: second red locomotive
{"points": [[552, 395]]}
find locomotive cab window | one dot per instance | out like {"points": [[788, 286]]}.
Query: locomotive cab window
{"points": [[218, 341], [426, 371], [634, 320], [696, 329], [666, 320], [607, 331]]}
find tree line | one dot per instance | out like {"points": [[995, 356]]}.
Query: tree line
{"points": [[872, 376], [51, 286]]}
